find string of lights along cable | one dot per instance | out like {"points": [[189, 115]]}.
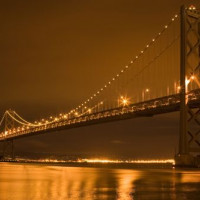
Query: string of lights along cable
{"points": [[151, 80]]}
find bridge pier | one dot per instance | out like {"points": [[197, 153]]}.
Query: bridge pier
{"points": [[8, 150], [187, 160], [8, 144], [189, 141]]}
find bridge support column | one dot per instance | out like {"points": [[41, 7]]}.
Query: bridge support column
{"points": [[8, 145], [8, 150], [190, 157], [189, 141]]}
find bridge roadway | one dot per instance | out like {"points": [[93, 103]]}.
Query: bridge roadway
{"points": [[144, 109]]}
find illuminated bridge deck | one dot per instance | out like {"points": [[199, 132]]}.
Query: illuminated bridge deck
{"points": [[144, 109]]}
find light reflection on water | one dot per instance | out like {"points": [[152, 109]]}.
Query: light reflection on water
{"points": [[42, 182]]}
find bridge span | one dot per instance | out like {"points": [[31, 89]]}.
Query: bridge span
{"points": [[163, 77], [144, 109]]}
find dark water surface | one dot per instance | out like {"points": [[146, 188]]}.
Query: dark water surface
{"points": [[45, 182]]}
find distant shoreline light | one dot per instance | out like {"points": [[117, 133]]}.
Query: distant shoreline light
{"points": [[101, 161], [96, 160]]}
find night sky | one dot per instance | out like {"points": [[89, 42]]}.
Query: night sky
{"points": [[55, 54]]}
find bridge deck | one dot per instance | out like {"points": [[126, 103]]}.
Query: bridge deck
{"points": [[144, 109]]}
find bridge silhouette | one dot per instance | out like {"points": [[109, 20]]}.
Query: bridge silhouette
{"points": [[164, 77]]}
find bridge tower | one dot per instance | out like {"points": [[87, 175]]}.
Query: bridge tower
{"points": [[189, 136], [8, 145]]}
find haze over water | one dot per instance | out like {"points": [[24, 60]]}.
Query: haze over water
{"points": [[50, 182]]}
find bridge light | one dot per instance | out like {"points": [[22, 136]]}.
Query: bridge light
{"points": [[89, 110], [76, 113], [166, 26], [124, 101], [192, 77], [192, 7], [187, 81], [147, 90], [101, 102]]}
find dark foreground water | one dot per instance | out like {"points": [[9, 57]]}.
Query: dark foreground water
{"points": [[43, 182]]}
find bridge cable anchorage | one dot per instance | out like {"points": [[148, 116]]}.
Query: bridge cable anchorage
{"points": [[106, 86]]}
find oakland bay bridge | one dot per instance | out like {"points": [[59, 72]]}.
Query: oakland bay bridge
{"points": [[163, 77]]}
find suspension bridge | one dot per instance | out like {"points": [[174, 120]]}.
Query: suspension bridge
{"points": [[164, 77]]}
